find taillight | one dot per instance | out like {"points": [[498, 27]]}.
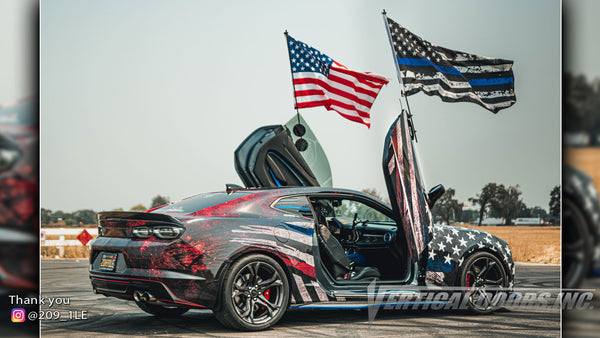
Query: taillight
{"points": [[142, 232], [167, 232], [160, 231]]}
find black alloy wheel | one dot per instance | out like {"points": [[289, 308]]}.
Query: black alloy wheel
{"points": [[483, 277], [255, 294]]}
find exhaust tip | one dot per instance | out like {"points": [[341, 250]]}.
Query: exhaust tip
{"points": [[148, 297], [136, 296]]}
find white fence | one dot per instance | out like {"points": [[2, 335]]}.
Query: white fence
{"points": [[62, 232]]}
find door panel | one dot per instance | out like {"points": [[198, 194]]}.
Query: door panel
{"points": [[406, 188], [269, 158], [314, 155]]}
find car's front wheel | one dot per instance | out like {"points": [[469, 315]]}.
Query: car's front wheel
{"points": [[483, 278], [255, 294]]}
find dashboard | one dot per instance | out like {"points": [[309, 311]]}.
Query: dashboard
{"points": [[365, 234]]}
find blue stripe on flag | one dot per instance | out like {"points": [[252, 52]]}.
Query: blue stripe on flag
{"points": [[491, 82], [427, 62]]}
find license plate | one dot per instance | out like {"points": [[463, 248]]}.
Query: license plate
{"points": [[108, 262]]}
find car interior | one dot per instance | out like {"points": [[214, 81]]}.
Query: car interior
{"points": [[358, 242]]}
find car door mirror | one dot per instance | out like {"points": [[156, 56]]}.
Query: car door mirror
{"points": [[434, 194]]}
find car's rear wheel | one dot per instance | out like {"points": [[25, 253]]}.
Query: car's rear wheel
{"points": [[160, 310], [576, 246], [255, 294], [483, 277]]}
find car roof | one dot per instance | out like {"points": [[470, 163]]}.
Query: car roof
{"points": [[283, 191]]}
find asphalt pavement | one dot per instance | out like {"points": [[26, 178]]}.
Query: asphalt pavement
{"points": [[106, 316]]}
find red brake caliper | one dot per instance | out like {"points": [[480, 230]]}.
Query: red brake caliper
{"points": [[267, 294], [468, 282]]}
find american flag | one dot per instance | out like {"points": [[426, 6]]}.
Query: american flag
{"points": [[321, 81], [454, 76]]}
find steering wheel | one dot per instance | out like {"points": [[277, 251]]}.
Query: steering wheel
{"points": [[355, 222]]}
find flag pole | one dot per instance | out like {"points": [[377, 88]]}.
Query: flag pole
{"points": [[399, 74], [292, 74]]}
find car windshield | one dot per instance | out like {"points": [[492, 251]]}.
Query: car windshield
{"points": [[198, 202]]}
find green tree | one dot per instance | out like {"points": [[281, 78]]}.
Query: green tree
{"points": [[448, 208], [57, 215], [524, 211], [537, 211], [486, 199], [45, 216], [554, 205], [507, 203], [85, 216], [139, 208], [159, 200], [581, 103], [71, 221]]}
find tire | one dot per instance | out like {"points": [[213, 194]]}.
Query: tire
{"points": [[482, 277], [255, 294], [162, 311], [576, 246]]}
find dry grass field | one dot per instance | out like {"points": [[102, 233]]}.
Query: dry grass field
{"points": [[532, 244], [585, 159]]}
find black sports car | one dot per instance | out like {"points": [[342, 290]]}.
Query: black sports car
{"points": [[284, 240], [581, 228]]}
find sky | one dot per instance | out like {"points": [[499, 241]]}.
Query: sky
{"points": [[147, 97], [580, 37]]}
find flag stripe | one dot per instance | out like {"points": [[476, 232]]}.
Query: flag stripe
{"points": [[334, 88], [348, 103], [425, 62], [332, 100], [342, 81], [491, 82]]}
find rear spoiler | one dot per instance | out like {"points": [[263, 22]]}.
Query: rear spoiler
{"points": [[137, 216]]}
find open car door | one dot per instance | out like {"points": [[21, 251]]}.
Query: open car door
{"points": [[270, 157], [406, 190]]}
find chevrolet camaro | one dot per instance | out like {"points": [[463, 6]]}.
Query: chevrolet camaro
{"points": [[287, 239]]}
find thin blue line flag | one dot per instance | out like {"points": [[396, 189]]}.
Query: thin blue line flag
{"points": [[454, 76]]}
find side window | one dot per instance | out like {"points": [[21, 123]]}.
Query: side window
{"points": [[345, 208], [297, 205]]}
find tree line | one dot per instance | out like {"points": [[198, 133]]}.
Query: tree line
{"points": [[89, 216], [581, 103], [495, 200]]}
